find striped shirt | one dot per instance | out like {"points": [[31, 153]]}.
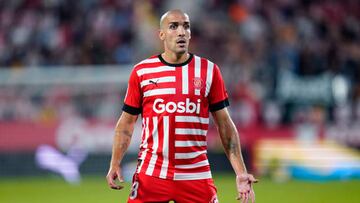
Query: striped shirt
{"points": [[175, 100]]}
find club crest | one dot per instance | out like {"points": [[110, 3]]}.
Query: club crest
{"points": [[198, 83]]}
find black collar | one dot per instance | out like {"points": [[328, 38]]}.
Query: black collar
{"points": [[176, 64]]}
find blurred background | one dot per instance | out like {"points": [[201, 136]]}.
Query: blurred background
{"points": [[291, 67]]}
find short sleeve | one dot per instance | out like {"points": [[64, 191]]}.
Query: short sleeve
{"points": [[133, 97], [218, 96]]}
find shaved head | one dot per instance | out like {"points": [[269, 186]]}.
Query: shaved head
{"points": [[175, 33], [171, 12]]}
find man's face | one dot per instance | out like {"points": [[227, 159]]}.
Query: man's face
{"points": [[175, 32]]}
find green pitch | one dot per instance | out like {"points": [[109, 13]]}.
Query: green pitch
{"points": [[95, 190]]}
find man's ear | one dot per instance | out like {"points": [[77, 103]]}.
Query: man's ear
{"points": [[161, 35]]}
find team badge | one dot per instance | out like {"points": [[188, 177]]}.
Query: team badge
{"points": [[198, 83]]}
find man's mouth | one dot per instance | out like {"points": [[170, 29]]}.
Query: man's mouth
{"points": [[181, 42]]}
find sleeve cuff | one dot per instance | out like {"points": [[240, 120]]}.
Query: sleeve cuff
{"points": [[131, 110], [219, 105]]}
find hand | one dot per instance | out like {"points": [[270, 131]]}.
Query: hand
{"points": [[113, 174], [244, 184]]}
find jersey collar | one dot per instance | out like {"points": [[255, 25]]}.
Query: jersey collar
{"points": [[176, 64]]}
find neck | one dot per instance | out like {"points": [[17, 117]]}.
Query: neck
{"points": [[175, 58]]}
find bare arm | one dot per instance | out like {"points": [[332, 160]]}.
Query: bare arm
{"points": [[230, 140], [231, 143], [123, 133]]}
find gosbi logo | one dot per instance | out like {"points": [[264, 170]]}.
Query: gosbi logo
{"points": [[181, 107]]}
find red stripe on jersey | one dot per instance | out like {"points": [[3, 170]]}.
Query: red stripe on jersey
{"points": [[171, 169], [197, 159], [204, 66], [190, 149], [178, 74], [193, 170], [192, 125], [157, 85], [148, 150], [159, 161], [191, 75], [149, 76], [153, 61], [190, 137], [149, 65], [143, 132]]}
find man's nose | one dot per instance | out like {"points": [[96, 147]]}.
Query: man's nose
{"points": [[181, 31]]}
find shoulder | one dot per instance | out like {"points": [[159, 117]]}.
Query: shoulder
{"points": [[146, 62], [205, 60], [150, 62]]}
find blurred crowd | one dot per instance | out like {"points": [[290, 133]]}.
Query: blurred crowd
{"points": [[253, 41], [48, 104], [65, 32]]}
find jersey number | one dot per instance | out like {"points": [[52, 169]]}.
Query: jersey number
{"points": [[134, 189]]}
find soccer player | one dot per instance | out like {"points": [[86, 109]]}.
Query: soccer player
{"points": [[174, 92]]}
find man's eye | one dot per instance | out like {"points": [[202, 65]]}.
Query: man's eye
{"points": [[186, 26], [173, 27]]}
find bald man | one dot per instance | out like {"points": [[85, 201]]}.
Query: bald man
{"points": [[174, 93]]}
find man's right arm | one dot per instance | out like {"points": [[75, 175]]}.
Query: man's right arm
{"points": [[123, 133]]}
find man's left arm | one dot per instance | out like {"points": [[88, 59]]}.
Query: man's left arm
{"points": [[231, 143]]}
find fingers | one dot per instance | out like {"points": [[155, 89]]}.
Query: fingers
{"points": [[120, 177], [240, 197], [117, 187], [113, 185], [252, 193], [246, 197], [243, 197], [244, 183], [252, 196], [111, 182], [252, 179], [111, 177]]}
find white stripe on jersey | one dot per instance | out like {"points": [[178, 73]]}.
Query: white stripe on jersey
{"points": [[192, 119], [146, 128], [197, 72], [185, 79], [155, 134], [192, 176], [195, 165], [209, 77], [189, 155], [153, 60], [161, 91], [190, 131], [144, 71], [157, 80], [164, 166], [142, 132], [144, 143], [142, 158], [190, 143]]}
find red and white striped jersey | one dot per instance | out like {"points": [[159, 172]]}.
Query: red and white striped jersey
{"points": [[175, 100]]}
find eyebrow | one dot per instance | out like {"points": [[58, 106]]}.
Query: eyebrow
{"points": [[176, 22]]}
